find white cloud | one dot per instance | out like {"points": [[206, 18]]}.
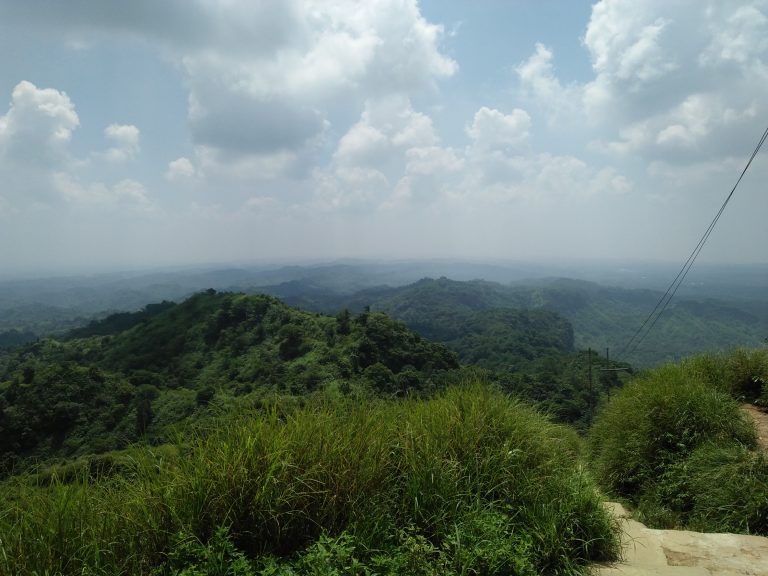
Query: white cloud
{"points": [[125, 142], [491, 129], [542, 89], [624, 38], [179, 170], [38, 166], [739, 35], [676, 81], [126, 193], [37, 127], [375, 152], [432, 160], [266, 79], [386, 126], [327, 57]]}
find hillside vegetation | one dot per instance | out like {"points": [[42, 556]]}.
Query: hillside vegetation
{"points": [[525, 347], [135, 376], [139, 375], [601, 317], [675, 444], [470, 482], [232, 434]]}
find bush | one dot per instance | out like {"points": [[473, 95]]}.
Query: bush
{"points": [[677, 445], [469, 482], [730, 485], [742, 373]]}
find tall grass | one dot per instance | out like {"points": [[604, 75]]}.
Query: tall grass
{"points": [[676, 444], [742, 373], [469, 482]]}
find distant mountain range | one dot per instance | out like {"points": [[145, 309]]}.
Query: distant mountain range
{"points": [[717, 308]]}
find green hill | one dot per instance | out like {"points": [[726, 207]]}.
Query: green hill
{"points": [[142, 373], [602, 316]]}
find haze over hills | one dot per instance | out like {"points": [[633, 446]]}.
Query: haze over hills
{"points": [[718, 308]]}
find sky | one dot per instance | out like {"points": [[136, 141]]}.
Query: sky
{"points": [[171, 132]]}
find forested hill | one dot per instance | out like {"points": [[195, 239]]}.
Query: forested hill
{"points": [[602, 317], [479, 321], [135, 375]]}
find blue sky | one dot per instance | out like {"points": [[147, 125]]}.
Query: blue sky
{"points": [[145, 133]]}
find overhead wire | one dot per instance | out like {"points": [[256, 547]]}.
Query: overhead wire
{"points": [[645, 328]]}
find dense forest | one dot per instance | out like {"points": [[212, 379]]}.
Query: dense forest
{"points": [[601, 316], [133, 375], [139, 375]]}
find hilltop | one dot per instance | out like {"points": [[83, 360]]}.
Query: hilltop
{"points": [[134, 375], [601, 316]]}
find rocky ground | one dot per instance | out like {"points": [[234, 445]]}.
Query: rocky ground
{"points": [[683, 553]]}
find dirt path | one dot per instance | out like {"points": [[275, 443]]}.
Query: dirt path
{"points": [[761, 421]]}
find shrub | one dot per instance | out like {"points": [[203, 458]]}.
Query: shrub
{"points": [[742, 373], [468, 482], [731, 488], [678, 446]]}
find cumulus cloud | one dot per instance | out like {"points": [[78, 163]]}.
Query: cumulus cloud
{"points": [[678, 78], [300, 108], [37, 165], [490, 129], [266, 77], [541, 88], [125, 142], [179, 170], [374, 166], [37, 126], [375, 152]]}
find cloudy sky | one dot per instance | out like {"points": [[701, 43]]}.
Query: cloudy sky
{"points": [[146, 133]]}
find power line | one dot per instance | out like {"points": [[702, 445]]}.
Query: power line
{"points": [[664, 301]]}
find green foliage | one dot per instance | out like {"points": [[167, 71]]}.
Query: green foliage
{"points": [[120, 321], [182, 362], [510, 332], [481, 321], [64, 409], [742, 373], [15, 338], [601, 316], [218, 557], [676, 444], [467, 482], [729, 485]]}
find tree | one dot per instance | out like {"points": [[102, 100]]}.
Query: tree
{"points": [[343, 319], [291, 342], [144, 415]]}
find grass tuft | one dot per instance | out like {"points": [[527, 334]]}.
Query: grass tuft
{"points": [[676, 444], [467, 482]]}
